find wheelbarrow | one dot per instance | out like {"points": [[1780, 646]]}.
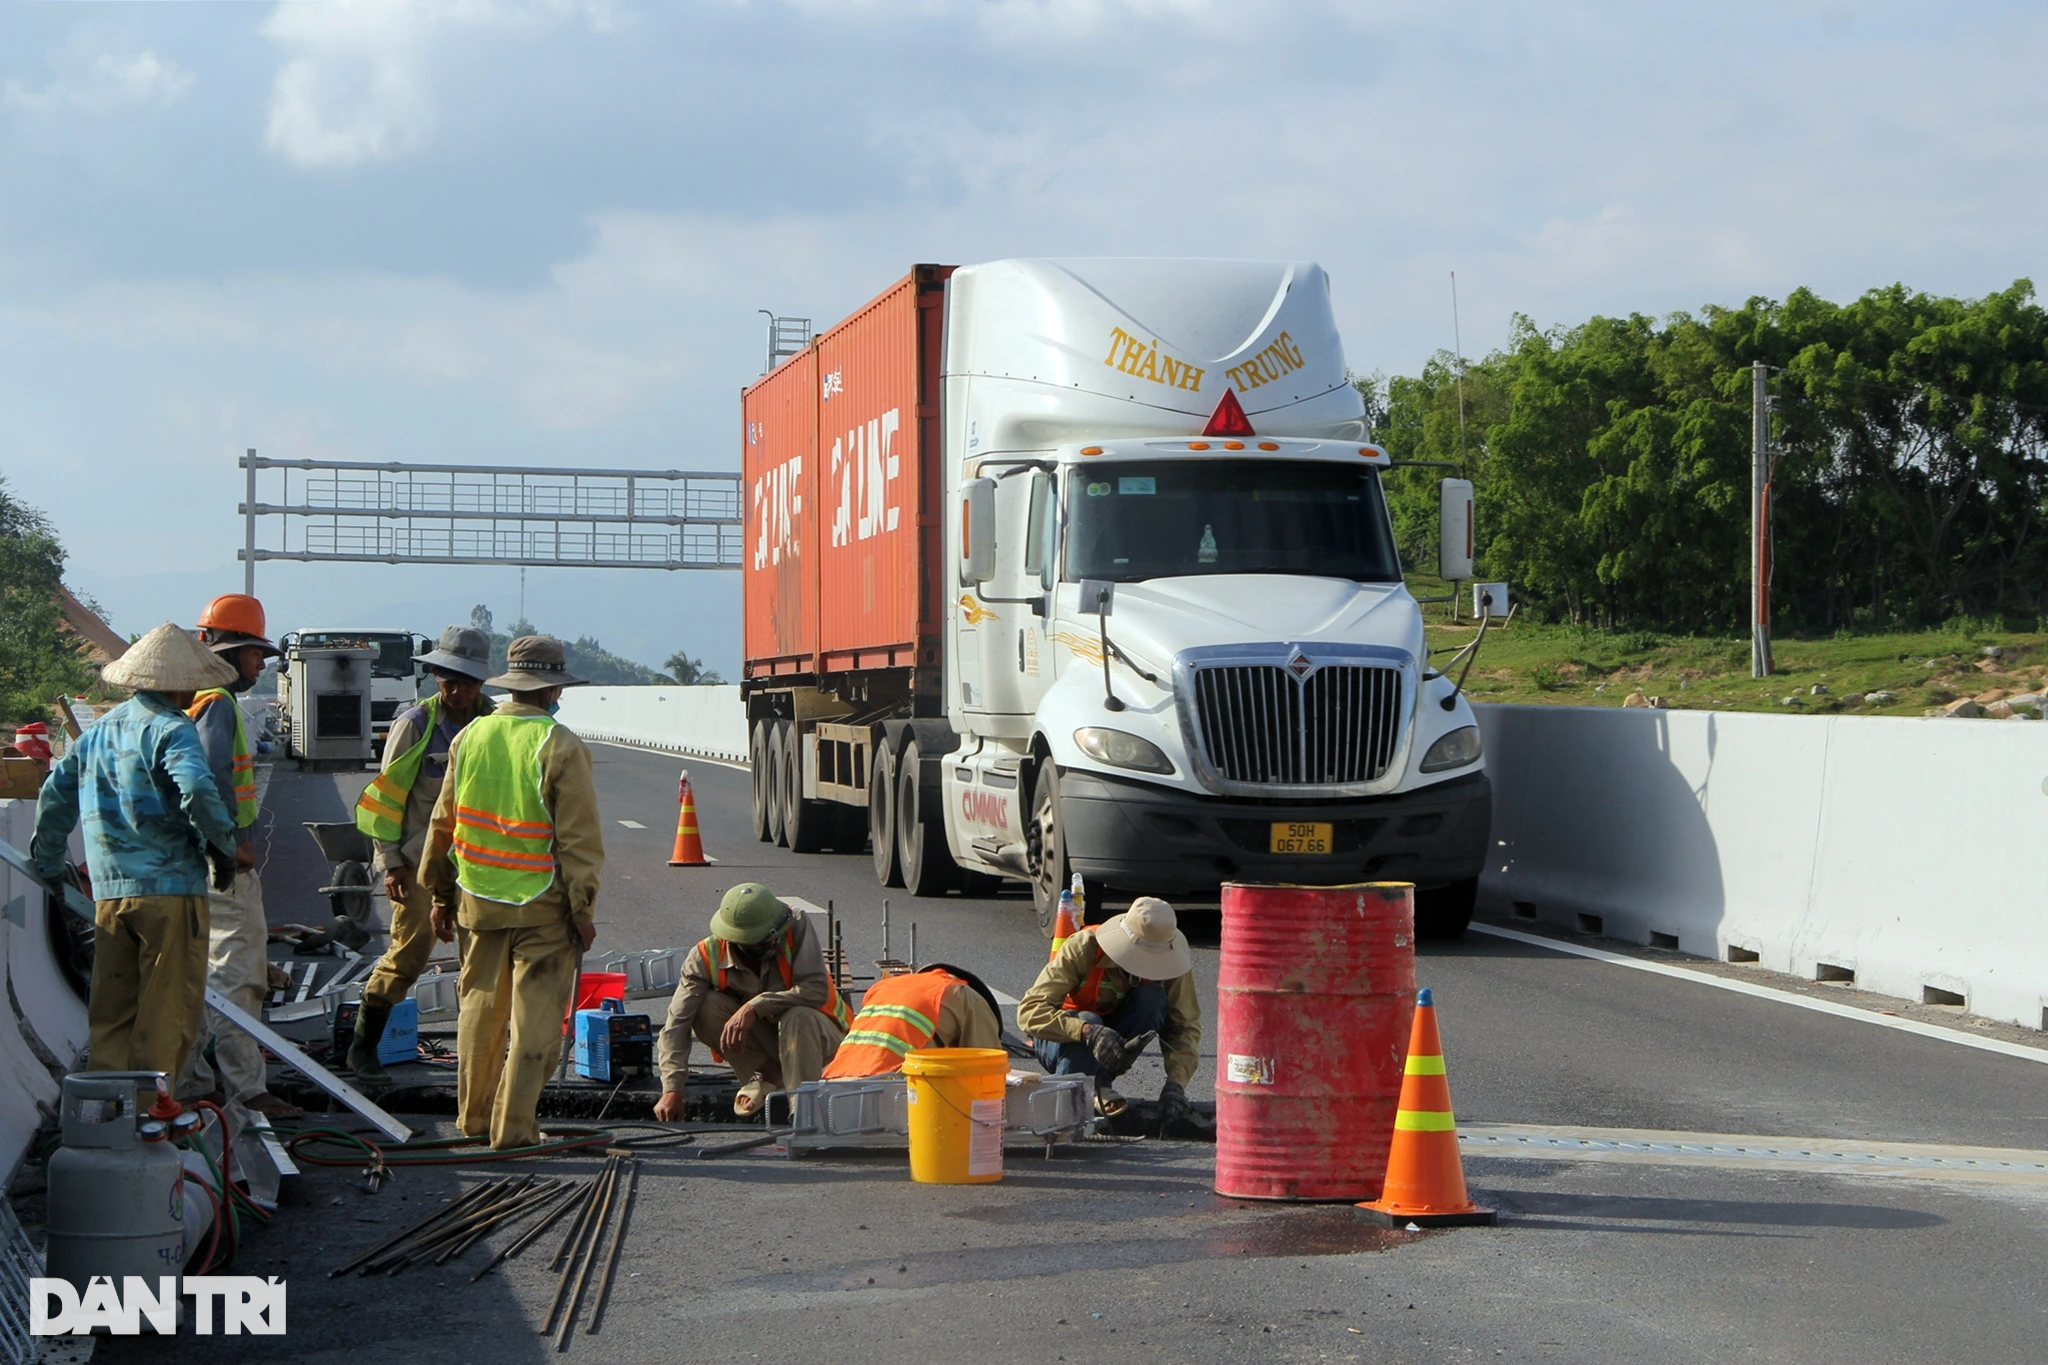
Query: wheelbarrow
{"points": [[350, 889]]}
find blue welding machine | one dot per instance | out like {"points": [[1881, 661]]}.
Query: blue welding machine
{"points": [[609, 1043]]}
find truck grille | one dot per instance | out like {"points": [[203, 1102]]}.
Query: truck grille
{"points": [[1338, 726]]}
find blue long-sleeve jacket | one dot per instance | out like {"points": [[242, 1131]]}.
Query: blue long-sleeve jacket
{"points": [[140, 781]]}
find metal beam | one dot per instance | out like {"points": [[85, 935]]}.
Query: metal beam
{"points": [[268, 509], [288, 1053], [318, 557]]}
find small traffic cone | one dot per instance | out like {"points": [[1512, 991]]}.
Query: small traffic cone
{"points": [[689, 850], [1064, 924], [1425, 1175]]}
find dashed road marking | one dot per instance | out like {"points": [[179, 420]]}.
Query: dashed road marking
{"points": [[1910, 1160], [632, 824], [1840, 1011]]}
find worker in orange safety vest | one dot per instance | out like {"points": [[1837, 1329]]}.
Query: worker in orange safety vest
{"points": [[940, 1006]]}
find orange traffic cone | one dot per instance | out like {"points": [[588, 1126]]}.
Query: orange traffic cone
{"points": [[689, 851], [1425, 1175], [1064, 924]]}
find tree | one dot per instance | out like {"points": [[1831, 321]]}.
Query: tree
{"points": [[691, 672], [480, 618], [39, 658]]}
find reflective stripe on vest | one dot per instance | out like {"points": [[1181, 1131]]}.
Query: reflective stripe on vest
{"points": [[243, 765], [1089, 996], [898, 1015], [713, 951], [380, 810], [504, 844]]}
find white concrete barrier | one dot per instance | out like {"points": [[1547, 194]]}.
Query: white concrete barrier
{"points": [[47, 1031], [708, 722], [1906, 852]]}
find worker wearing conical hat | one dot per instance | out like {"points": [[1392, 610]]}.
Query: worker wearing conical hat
{"points": [[238, 933], [757, 994], [513, 855], [396, 810], [154, 821], [1108, 991]]}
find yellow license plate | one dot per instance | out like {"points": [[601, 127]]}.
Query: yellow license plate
{"points": [[1289, 837]]}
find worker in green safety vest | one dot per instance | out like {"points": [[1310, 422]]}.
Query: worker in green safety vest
{"points": [[513, 857], [395, 811], [238, 933]]}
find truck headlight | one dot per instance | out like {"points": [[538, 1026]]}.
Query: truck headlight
{"points": [[1453, 750], [1120, 750]]}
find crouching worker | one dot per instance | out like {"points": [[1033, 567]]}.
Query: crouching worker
{"points": [[757, 994], [941, 1006], [1108, 991]]}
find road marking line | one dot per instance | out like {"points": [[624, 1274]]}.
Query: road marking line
{"points": [[1840, 1011], [670, 753], [1911, 1160], [632, 824]]}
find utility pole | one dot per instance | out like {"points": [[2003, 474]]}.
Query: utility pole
{"points": [[1760, 664], [249, 530]]}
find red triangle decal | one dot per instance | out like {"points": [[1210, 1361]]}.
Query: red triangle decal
{"points": [[1229, 418]]}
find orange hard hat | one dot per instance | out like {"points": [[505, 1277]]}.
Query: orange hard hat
{"points": [[233, 617]]}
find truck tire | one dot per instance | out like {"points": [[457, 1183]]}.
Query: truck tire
{"points": [[882, 817], [757, 750], [805, 822], [778, 832], [1045, 845], [1445, 911], [928, 866]]}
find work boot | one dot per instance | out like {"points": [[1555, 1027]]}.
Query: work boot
{"points": [[362, 1053]]}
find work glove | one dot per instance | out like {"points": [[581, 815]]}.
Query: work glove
{"points": [[1114, 1053], [223, 865], [1174, 1108]]}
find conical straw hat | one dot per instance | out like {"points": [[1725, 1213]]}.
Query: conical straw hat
{"points": [[168, 659]]}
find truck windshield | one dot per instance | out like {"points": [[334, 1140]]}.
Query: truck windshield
{"points": [[394, 652], [1165, 519]]}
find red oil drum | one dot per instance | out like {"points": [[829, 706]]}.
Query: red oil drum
{"points": [[1314, 1001]]}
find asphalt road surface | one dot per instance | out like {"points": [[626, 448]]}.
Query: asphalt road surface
{"points": [[1122, 1252]]}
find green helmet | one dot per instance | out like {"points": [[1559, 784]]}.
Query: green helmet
{"points": [[749, 913]]}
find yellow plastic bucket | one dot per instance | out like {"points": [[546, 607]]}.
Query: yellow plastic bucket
{"points": [[956, 1114]]}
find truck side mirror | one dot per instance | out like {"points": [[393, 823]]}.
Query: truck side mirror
{"points": [[1454, 530], [1038, 529], [977, 531]]}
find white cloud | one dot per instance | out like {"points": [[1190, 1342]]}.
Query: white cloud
{"points": [[103, 84]]}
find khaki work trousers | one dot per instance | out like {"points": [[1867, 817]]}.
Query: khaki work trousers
{"points": [[148, 983], [238, 966], [412, 943], [801, 1039], [515, 987]]}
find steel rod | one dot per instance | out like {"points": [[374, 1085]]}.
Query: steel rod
{"points": [[402, 1256], [511, 1215], [582, 1216], [611, 1265], [582, 1239], [417, 1228], [533, 1234], [568, 1326]]}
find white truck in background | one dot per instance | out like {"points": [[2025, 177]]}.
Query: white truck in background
{"points": [[1067, 567], [395, 680]]}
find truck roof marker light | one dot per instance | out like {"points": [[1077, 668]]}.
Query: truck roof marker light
{"points": [[1269, 445], [1229, 418], [1091, 450], [1198, 445], [1233, 445]]}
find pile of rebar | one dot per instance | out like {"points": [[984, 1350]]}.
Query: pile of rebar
{"points": [[579, 1253], [448, 1232]]}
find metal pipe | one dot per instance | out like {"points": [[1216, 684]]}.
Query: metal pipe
{"points": [[611, 1265]]}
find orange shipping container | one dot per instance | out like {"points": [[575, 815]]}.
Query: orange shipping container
{"points": [[843, 492]]}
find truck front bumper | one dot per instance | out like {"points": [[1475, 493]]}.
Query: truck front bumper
{"points": [[1154, 840]]}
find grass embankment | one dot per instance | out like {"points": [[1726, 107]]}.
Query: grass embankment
{"points": [[1577, 666]]}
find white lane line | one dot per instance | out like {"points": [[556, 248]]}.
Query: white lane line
{"points": [[1007, 1001], [1840, 1011], [632, 824], [1912, 1160]]}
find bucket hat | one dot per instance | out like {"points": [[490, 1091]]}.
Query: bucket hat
{"points": [[749, 913], [461, 649], [1146, 941], [532, 663], [168, 659]]}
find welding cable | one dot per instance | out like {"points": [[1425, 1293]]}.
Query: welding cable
{"points": [[317, 1147]]}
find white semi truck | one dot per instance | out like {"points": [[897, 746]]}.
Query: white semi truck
{"points": [[1084, 566]]}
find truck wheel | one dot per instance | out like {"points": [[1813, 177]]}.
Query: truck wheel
{"points": [[757, 749], [1045, 847], [1445, 911], [928, 866], [805, 822], [882, 817], [778, 832]]}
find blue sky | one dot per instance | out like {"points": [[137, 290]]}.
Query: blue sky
{"points": [[536, 231]]}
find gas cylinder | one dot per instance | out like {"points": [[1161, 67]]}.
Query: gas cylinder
{"points": [[1314, 994], [117, 1200]]}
